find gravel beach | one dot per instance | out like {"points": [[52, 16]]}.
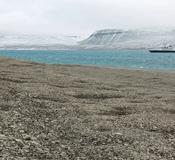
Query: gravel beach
{"points": [[62, 112]]}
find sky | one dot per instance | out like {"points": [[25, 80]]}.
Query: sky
{"points": [[82, 17]]}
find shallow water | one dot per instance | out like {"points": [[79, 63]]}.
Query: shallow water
{"points": [[132, 59]]}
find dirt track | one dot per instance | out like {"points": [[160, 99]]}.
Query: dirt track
{"points": [[55, 112]]}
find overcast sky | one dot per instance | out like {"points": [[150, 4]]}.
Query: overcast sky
{"points": [[77, 17]]}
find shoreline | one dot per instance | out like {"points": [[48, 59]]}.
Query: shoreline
{"points": [[94, 66], [133, 60], [81, 112]]}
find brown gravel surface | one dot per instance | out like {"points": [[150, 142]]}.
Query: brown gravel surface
{"points": [[57, 112]]}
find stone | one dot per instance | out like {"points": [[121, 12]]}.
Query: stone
{"points": [[3, 137]]}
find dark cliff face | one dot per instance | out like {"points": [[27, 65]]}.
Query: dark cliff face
{"points": [[130, 38]]}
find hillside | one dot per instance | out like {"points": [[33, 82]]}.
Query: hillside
{"points": [[129, 39], [34, 41]]}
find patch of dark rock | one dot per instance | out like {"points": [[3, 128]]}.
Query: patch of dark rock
{"points": [[137, 101], [118, 111], [25, 78], [4, 72], [21, 65], [97, 96], [82, 112], [169, 111], [80, 81], [157, 97], [12, 91], [167, 131], [107, 87], [54, 99], [40, 104], [155, 78], [143, 94], [58, 86], [13, 80], [164, 131], [103, 129], [138, 86], [76, 86], [170, 101], [5, 107]]}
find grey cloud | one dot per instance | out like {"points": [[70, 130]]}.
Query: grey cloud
{"points": [[83, 16]]}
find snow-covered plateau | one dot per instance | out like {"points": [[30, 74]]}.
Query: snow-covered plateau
{"points": [[130, 39]]}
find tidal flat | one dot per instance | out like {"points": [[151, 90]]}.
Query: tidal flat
{"points": [[55, 112]]}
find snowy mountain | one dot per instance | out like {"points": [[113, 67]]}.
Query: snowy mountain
{"points": [[129, 39], [28, 41], [102, 39]]}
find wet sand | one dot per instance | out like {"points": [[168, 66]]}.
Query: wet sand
{"points": [[57, 112]]}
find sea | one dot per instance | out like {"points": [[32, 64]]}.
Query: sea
{"points": [[129, 59]]}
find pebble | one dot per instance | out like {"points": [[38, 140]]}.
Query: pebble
{"points": [[120, 134], [3, 137], [64, 155], [27, 137], [20, 142]]}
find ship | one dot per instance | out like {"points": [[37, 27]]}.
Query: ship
{"points": [[161, 51], [165, 49]]}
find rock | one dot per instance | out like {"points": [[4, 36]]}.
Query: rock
{"points": [[120, 134], [27, 137], [3, 137], [20, 142], [35, 143], [154, 128], [22, 131], [64, 155]]}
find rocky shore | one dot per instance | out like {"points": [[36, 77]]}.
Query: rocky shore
{"points": [[57, 112]]}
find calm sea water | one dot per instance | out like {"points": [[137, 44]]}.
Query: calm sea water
{"points": [[120, 58]]}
